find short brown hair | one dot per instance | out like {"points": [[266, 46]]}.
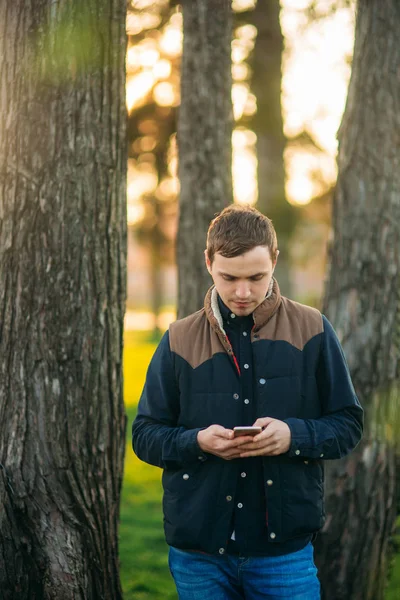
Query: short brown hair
{"points": [[238, 229]]}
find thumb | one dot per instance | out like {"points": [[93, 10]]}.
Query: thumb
{"points": [[264, 422], [222, 432]]}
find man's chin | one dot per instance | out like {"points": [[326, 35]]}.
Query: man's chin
{"points": [[241, 309]]}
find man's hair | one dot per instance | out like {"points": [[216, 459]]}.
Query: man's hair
{"points": [[238, 229]]}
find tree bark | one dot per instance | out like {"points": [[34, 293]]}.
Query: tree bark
{"points": [[204, 139], [62, 297], [267, 123], [362, 301]]}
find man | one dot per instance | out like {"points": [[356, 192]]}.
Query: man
{"points": [[240, 513]]}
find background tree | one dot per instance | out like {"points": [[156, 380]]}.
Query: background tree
{"points": [[62, 297], [362, 300], [204, 139], [267, 123]]}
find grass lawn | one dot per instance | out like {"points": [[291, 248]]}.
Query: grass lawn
{"points": [[143, 550]]}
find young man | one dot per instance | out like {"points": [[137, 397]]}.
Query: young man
{"points": [[240, 513]]}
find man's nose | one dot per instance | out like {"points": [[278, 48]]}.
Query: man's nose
{"points": [[243, 291]]}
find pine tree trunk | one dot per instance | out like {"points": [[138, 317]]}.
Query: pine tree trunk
{"points": [[267, 123], [362, 300], [62, 297], [204, 139]]}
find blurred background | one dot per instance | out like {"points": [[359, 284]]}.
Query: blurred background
{"points": [[310, 93]]}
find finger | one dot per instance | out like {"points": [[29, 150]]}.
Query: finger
{"points": [[230, 455], [238, 441], [267, 450], [263, 421], [261, 440], [221, 432]]}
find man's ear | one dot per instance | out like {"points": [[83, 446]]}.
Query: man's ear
{"points": [[208, 263], [276, 260]]}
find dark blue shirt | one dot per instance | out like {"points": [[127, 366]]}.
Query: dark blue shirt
{"points": [[250, 513]]}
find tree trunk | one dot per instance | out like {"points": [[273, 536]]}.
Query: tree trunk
{"points": [[204, 139], [62, 297], [267, 123], [362, 300]]}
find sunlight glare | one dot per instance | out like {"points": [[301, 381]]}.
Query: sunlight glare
{"points": [[242, 5], [171, 41], [164, 94], [137, 88], [162, 69]]}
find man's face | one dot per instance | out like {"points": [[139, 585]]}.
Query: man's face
{"points": [[242, 281]]}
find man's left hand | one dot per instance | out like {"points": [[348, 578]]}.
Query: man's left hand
{"points": [[273, 440]]}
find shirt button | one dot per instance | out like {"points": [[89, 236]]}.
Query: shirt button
{"points": [[240, 505], [229, 498], [245, 333], [246, 401], [306, 462], [201, 457], [246, 366], [185, 476], [243, 474], [270, 482], [232, 316], [236, 396], [321, 455], [262, 381], [272, 535], [221, 551], [297, 452]]}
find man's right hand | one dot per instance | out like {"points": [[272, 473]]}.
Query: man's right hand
{"points": [[220, 441]]}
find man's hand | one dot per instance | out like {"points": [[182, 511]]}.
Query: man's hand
{"points": [[274, 440], [220, 441]]}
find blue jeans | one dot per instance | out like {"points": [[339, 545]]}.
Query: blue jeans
{"points": [[198, 576]]}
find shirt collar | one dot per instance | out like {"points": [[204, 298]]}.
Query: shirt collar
{"points": [[261, 315]]}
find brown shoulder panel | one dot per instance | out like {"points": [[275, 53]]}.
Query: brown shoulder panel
{"points": [[193, 339], [293, 323]]}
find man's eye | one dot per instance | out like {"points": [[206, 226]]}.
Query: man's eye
{"points": [[258, 278], [227, 278]]}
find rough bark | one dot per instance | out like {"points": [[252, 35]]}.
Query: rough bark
{"points": [[362, 301], [62, 297], [204, 139], [267, 123]]}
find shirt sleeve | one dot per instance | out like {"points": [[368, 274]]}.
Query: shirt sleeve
{"points": [[340, 428], [156, 437]]}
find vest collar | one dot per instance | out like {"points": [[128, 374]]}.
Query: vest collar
{"points": [[261, 315]]}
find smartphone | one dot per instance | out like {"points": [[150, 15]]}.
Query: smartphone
{"points": [[251, 430]]}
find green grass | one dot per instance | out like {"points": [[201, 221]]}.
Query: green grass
{"points": [[143, 550]]}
